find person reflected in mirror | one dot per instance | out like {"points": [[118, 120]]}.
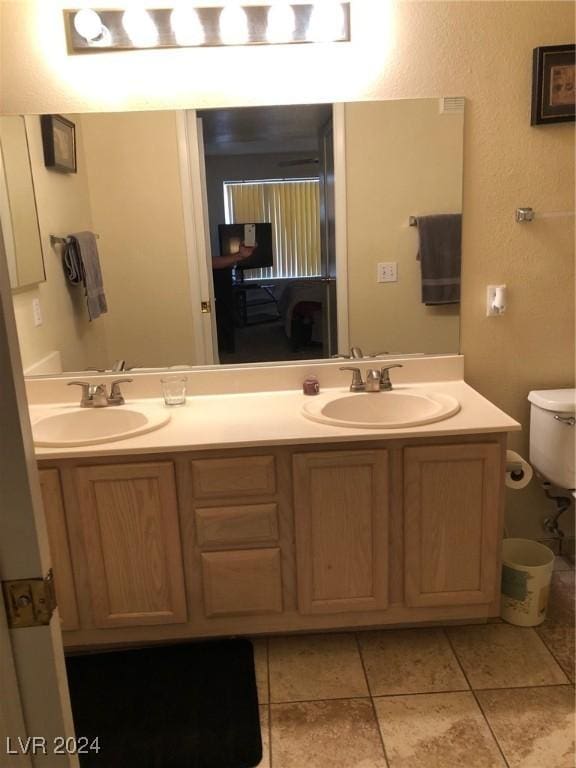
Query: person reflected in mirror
{"points": [[222, 275]]}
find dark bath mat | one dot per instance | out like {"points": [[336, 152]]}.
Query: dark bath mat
{"points": [[177, 706]]}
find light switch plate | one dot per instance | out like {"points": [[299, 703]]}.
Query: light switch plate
{"points": [[387, 272], [37, 312]]}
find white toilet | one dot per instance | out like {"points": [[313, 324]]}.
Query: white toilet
{"points": [[552, 436]]}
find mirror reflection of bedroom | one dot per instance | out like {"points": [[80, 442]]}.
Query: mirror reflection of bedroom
{"points": [[270, 187]]}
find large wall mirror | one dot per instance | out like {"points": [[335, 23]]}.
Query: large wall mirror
{"points": [[338, 187]]}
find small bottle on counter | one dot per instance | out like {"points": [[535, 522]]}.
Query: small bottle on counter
{"points": [[311, 385]]}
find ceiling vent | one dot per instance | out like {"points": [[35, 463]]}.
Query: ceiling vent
{"points": [[451, 105]]}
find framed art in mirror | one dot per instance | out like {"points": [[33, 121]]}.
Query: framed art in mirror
{"points": [[59, 143]]}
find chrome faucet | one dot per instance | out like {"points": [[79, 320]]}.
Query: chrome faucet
{"points": [[95, 395], [376, 380]]}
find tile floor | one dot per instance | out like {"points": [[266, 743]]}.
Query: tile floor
{"points": [[479, 696]]}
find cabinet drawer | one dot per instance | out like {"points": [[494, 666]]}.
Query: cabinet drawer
{"points": [[247, 582], [219, 527], [244, 476]]}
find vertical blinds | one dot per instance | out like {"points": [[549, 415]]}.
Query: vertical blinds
{"points": [[292, 206]]}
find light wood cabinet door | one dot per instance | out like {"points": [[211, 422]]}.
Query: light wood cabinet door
{"points": [[341, 527], [132, 542], [242, 583], [59, 548], [452, 498]]}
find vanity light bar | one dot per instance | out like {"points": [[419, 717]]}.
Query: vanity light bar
{"points": [[94, 31]]}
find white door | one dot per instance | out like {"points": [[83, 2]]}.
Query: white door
{"points": [[34, 698], [195, 210]]}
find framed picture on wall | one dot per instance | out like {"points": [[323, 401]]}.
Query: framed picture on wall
{"points": [[553, 82], [59, 143]]}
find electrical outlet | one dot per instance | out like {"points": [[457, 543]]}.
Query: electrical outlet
{"points": [[387, 272], [37, 312]]}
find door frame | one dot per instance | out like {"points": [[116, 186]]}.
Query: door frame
{"points": [[341, 226], [195, 206], [197, 235], [35, 664]]}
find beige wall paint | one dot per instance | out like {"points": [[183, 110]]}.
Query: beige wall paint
{"points": [[134, 186], [479, 50], [63, 207], [403, 158]]}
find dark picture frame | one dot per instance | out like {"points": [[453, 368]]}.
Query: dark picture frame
{"points": [[553, 84], [59, 143]]}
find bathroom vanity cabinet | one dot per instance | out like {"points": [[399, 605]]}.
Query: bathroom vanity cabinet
{"points": [[275, 539]]}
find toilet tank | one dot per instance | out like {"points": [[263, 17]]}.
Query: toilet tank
{"points": [[552, 435]]}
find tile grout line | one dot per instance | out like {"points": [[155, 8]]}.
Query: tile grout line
{"points": [[473, 692], [372, 703]]}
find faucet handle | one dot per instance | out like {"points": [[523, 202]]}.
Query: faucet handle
{"points": [[86, 399], [116, 396], [385, 382], [357, 383]]}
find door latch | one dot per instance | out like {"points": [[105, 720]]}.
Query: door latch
{"points": [[29, 602], [205, 307]]}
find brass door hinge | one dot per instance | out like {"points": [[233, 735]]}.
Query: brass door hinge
{"points": [[205, 307], [29, 602]]}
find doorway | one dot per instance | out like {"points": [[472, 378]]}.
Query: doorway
{"points": [[273, 165]]}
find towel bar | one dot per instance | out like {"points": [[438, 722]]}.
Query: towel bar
{"points": [[55, 240], [412, 221], [529, 214]]}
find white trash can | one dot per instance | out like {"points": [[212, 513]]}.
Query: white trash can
{"points": [[526, 574]]}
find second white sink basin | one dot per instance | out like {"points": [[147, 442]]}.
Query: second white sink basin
{"points": [[90, 426], [381, 410]]}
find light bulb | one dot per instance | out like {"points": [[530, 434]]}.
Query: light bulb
{"points": [[88, 24], [326, 22], [186, 26], [281, 23], [233, 25], [140, 27]]}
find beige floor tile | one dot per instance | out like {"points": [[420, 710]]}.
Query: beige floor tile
{"points": [[410, 661], [310, 667], [260, 646], [504, 656], [318, 734], [534, 726], [436, 730], [265, 731], [557, 631]]}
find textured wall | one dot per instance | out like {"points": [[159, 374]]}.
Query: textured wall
{"points": [[403, 158], [63, 207], [480, 50], [134, 182]]}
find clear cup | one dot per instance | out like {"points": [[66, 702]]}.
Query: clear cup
{"points": [[174, 390]]}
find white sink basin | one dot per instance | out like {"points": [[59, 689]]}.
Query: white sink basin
{"points": [[90, 426], [381, 410]]}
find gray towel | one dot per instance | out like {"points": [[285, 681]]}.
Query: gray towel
{"points": [[81, 258], [440, 257]]}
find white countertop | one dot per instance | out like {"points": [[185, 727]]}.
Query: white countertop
{"points": [[210, 422]]}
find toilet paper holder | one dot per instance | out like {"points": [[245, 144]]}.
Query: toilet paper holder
{"points": [[515, 469]]}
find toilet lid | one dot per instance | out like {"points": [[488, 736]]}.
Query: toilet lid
{"points": [[561, 400]]}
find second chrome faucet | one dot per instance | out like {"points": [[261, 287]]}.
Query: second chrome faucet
{"points": [[377, 380]]}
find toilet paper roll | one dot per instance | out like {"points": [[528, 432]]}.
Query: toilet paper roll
{"points": [[517, 479]]}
